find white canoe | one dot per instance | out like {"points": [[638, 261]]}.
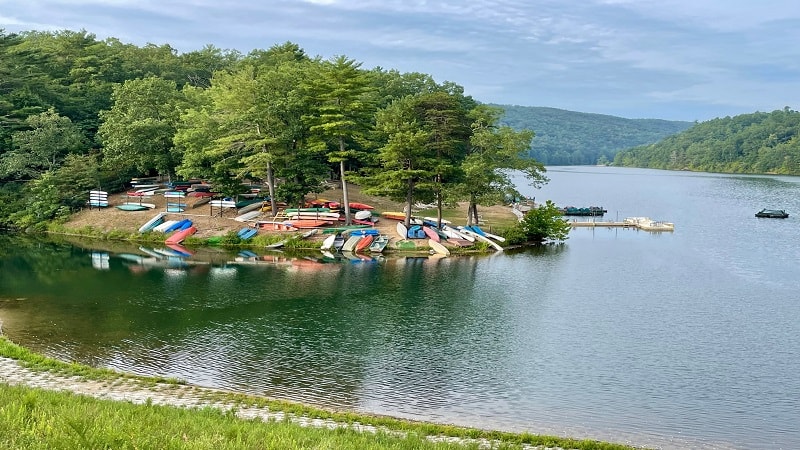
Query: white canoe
{"points": [[452, 233], [363, 215], [477, 236], [161, 228], [438, 248], [152, 222], [402, 230], [350, 243], [312, 215], [327, 244], [247, 216], [490, 235]]}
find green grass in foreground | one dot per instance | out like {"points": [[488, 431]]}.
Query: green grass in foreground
{"points": [[37, 419], [32, 418]]}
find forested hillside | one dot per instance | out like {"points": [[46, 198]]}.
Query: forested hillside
{"points": [[576, 138], [78, 113], [749, 143]]}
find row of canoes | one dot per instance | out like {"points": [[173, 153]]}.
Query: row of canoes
{"points": [[180, 229], [356, 240], [461, 236]]}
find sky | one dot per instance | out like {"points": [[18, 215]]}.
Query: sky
{"points": [[691, 60]]}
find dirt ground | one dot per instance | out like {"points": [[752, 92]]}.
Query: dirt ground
{"points": [[218, 222]]}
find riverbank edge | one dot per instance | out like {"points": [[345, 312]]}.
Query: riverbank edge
{"points": [[22, 367]]}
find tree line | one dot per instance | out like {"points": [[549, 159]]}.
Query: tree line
{"points": [[749, 143], [78, 113], [577, 138]]}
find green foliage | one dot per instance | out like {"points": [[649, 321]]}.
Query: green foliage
{"points": [[543, 223], [748, 143], [576, 138], [137, 132], [57, 193], [43, 147]]}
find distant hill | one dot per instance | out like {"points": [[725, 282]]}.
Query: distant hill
{"points": [[749, 143], [575, 138]]}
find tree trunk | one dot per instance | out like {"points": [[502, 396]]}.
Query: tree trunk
{"points": [[409, 199], [345, 198], [472, 212], [439, 210], [271, 186]]}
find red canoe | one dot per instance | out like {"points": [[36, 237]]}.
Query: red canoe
{"points": [[308, 223], [364, 242], [179, 236], [362, 206], [433, 235]]}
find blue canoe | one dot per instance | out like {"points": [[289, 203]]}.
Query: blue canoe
{"points": [[178, 225], [246, 233]]}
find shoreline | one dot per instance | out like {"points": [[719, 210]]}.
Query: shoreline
{"points": [[120, 387]]}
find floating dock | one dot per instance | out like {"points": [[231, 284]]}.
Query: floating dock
{"points": [[640, 223]]}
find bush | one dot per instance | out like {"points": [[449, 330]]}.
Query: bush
{"points": [[545, 222]]}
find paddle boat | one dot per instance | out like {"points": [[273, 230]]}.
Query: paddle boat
{"points": [[772, 214]]}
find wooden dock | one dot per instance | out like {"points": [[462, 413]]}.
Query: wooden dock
{"points": [[640, 223]]}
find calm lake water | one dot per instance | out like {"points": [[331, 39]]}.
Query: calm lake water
{"points": [[688, 339]]}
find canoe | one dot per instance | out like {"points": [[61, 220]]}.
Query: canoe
{"points": [[364, 242], [176, 225], [461, 242], [251, 207], [316, 209], [478, 230], [148, 205], [438, 247], [166, 224], [275, 225], [338, 242], [452, 233], [313, 215], [132, 207], [477, 236], [247, 233], [361, 206], [394, 215], [365, 232], [186, 224], [307, 223], [416, 232], [402, 230], [434, 221], [350, 243], [433, 235], [379, 243], [363, 215], [327, 243], [179, 236], [152, 223], [201, 201], [247, 216]]}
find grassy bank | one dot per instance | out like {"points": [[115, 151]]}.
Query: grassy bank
{"points": [[32, 418]]}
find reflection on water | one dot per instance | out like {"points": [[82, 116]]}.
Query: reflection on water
{"points": [[680, 340]]}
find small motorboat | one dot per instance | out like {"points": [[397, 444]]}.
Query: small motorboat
{"points": [[773, 213]]}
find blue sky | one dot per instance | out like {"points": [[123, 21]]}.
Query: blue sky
{"points": [[666, 59]]}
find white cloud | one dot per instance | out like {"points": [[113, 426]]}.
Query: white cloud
{"points": [[623, 57]]}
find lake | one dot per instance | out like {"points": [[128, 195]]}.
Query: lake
{"points": [[684, 339]]}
